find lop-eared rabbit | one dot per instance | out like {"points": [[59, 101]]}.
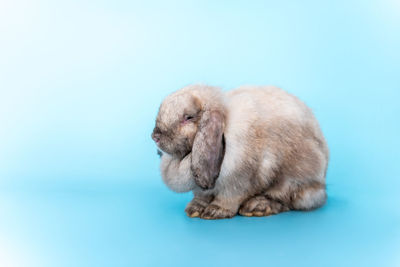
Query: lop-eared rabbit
{"points": [[255, 150]]}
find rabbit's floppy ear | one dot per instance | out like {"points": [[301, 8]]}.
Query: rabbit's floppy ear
{"points": [[208, 149]]}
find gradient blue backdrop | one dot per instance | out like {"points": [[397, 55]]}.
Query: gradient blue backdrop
{"points": [[80, 85]]}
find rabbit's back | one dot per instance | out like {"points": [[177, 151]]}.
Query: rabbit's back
{"points": [[265, 103]]}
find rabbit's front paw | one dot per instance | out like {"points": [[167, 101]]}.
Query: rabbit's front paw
{"points": [[213, 212], [195, 208], [261, 206]]}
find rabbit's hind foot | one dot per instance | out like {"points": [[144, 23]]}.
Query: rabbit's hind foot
{"points": [[261, 206]]}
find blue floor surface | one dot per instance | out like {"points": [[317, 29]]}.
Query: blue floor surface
{"points": [[80, 86]]}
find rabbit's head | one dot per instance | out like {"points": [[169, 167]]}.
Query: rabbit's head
{"points": [[192, 120]]}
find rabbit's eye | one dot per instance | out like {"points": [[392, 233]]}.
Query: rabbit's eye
{"points": [[188, 118]]}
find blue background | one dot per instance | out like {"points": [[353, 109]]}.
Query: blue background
{"points": [[80, 85]]}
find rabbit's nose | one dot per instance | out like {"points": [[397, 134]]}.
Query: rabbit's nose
{"points": [[156, 138]]}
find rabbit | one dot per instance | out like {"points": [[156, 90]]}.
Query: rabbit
{"points": [[252, 151]]}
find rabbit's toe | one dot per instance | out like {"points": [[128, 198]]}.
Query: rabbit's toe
{"points": [[261, 206], [213, 212]]}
